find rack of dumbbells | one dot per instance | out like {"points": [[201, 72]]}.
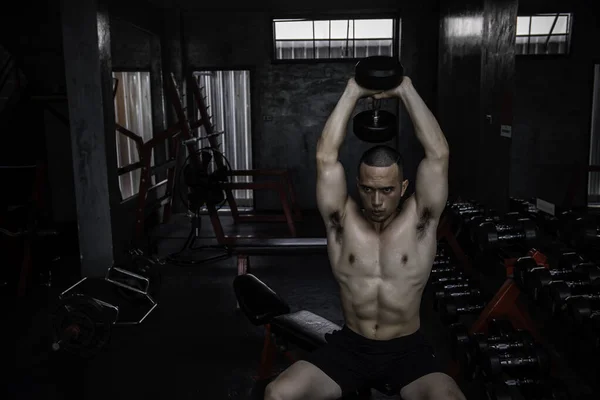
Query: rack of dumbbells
{"points": [[492, 334]]}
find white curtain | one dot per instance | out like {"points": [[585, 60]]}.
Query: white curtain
{"points": [[133, 111], [228, 98]]}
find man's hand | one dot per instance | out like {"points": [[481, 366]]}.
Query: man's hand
{"points": [[359, 92], [395, 92]]}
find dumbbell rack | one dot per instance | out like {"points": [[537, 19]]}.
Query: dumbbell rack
{"points": [[507, 302]]}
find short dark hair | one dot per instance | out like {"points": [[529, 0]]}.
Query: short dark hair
{"points": [[381, 156]]}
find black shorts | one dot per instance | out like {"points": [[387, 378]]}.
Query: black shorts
{"points": [[355, 362]]}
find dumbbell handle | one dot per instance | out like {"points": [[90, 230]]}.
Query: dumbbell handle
{"points": [[439, 268], [453, 286], [449, 278], [509, 360], [460, 293], [506, 346], [470, 308], [522, 382]]}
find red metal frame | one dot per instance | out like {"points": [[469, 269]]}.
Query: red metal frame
{"points": [[507, 303], [283, 186], [145, 155]]}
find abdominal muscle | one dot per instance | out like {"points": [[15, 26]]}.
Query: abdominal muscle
{"points": [[380, 308]]}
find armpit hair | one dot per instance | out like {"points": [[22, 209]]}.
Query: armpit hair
{"points": [[424, 222], [335, 222]]}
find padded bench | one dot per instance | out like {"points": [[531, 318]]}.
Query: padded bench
{"points": [[245, 247], [303, 329]]}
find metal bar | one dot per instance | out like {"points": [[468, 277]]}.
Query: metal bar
{"points": [[550, 33], [128, 168], [131, 135]]}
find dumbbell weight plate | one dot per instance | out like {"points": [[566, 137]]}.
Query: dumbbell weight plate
{"points": [[375, 126], [499, 391], [379, 72], [81, 326]]}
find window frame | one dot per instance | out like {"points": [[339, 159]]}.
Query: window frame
{"points": [[569, 35], [396, 21]]}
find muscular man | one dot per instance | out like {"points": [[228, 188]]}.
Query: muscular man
{"points": [[381, 256]]}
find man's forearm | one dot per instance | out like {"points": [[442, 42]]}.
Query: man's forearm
{"points": [[427, 129], [335, 128]]}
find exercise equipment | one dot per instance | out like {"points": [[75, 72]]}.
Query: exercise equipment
{"points": [[534, 360], [457, 292], [558, 292], [140, 264], [377, 73], [524, 266], [581, 309], [538, 280], [525, 388], [301, 330], [82, 322], [81, 326], [491, 234], [451, 309]]}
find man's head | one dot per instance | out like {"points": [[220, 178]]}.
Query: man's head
{"points": [[380, 181]]}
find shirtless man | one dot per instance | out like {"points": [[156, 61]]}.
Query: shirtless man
{"points": [[381, 256]]}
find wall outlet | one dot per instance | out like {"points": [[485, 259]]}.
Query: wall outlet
{"points": [[267, 118]]}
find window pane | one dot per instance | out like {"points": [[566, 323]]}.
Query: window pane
{"points": [[541, 25], [293, 30], [341, 29], [374, 28], [321, 29], [323, 39], [561, 25], [523, 25]]}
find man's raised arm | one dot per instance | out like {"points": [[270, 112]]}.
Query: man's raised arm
{"points": [[332, 193], [431, 187]]}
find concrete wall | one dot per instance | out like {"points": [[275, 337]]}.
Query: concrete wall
{"points": [[298, 98], [553, 110]]}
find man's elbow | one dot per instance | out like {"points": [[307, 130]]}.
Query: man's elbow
{"points": [[326, 155], [440, 154]]}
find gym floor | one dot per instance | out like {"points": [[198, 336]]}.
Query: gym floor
{"points": [[195, 345]]}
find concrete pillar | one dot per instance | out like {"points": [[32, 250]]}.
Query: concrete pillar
{"points": [[86, 41]]}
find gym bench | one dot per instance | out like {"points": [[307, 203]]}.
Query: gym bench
{"points": [[301, 330], [243, 248]]}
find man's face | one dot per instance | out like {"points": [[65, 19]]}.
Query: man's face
{"points": [[380, 189]]}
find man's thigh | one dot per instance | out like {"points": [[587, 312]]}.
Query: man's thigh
{"points": [[435, 386], [302, 380]]}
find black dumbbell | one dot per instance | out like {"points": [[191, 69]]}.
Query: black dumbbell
{"points": [[582, 309], [440, 287], [529, 388], [450, 276], [491, 235], [441, 260], [558, 292], [460, 337], [534, 360], [498, 330], [455, 294], [500, 391], [451, 309], [377, 73], [442, 268], [540, 279], [522, 267]]}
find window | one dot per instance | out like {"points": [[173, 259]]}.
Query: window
{"points": [[228, 101], [302, 39], [594, 161], [544, 34], [133, 112]]}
